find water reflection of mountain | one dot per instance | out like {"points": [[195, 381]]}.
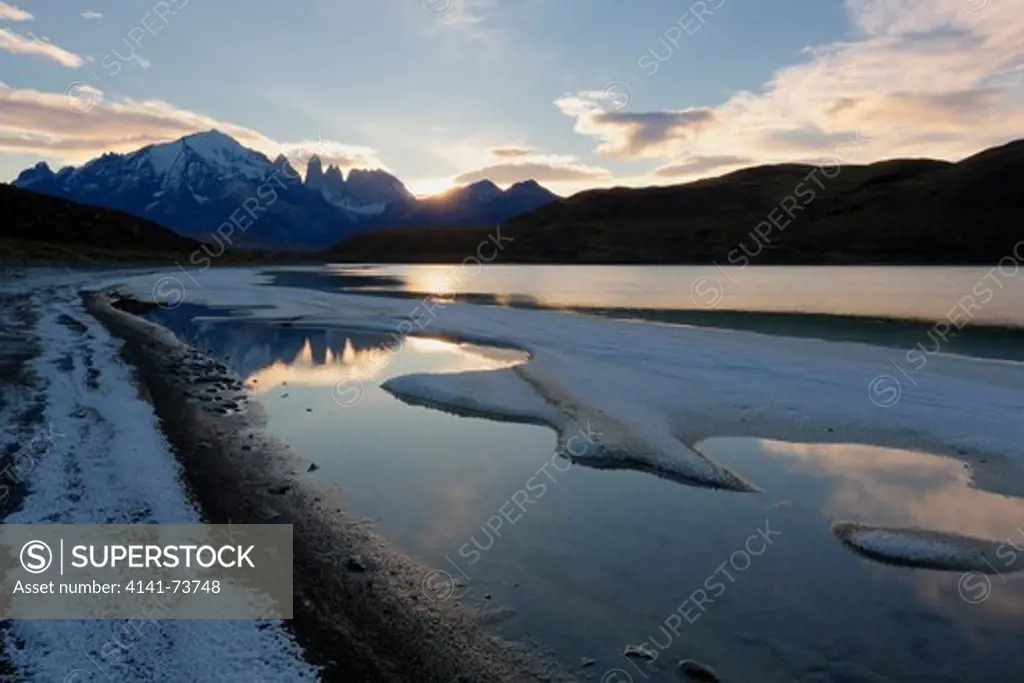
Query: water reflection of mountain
{"points": [[250, 348]]}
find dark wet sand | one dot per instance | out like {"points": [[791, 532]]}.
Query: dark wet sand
{"points": [[366, 621]]}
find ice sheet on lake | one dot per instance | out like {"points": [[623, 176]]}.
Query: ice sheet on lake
{"points": [[599, 439], [658, 390], [500, 394]]}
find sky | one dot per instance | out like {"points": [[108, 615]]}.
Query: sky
{"points": [[574, 93]]}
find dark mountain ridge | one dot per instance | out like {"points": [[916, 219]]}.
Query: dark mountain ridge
{"points": [[896, 211]]}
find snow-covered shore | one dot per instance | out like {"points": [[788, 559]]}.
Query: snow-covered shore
{"points": [[651, 394], [106, 461]]}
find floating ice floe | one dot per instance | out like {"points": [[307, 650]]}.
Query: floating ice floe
{"points": [[926, 549], [586, 436]]}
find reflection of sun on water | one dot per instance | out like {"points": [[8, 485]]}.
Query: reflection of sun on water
{"points": [[441, 281]]}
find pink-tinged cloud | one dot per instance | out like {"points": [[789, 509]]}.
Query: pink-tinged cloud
{"points": [[515, 163], [14, 42], [917, 78], [511, 152], [11, 13], [506, 174], [81, 124]]}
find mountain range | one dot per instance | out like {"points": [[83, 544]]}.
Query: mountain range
{"points": [[200, 182], [907, 211]]}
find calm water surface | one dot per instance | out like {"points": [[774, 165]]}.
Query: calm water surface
{"points": [[994, 296], [969, 311], [599, 559]]}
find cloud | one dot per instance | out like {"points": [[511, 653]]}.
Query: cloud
{"points": [[27, 45], [916, 78], [81, 124], [514, 163], [331, 153], [12, 13], [468, 18], [507, 174], [958, 111], [697, 167], [89, 14], [510, 152], [632, 135]]}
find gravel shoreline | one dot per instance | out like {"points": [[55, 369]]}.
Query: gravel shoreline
{"points": [[360, 610]]}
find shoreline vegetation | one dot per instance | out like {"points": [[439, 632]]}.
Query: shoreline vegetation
{"points": [[897, 212]]}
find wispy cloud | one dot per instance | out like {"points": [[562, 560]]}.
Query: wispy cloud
{"points": [[469, 19], [510, 152], [558, 172], [936, 78], [513, 164], [696, 167], [82, 123], [12, 13], [30, 45], [89, 14], [331, 153]]}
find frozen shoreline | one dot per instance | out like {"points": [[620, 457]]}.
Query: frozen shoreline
{"points": [[656, 390], [669, 387], [106, 461]]}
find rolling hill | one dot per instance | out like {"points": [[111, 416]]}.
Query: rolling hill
{"points": [[900, 211]]}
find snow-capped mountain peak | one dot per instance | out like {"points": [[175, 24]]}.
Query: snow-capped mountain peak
{"points": [[222, 153], [196, 183]]}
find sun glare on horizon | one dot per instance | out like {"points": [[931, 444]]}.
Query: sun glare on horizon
{"points": [[429, 187]]}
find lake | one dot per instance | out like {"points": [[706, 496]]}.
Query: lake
{"points": [[755, 585], [886, 306], [990, 296]]}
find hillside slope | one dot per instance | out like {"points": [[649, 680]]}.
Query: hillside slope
{"points": [[30, 217], [899, 211]]}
